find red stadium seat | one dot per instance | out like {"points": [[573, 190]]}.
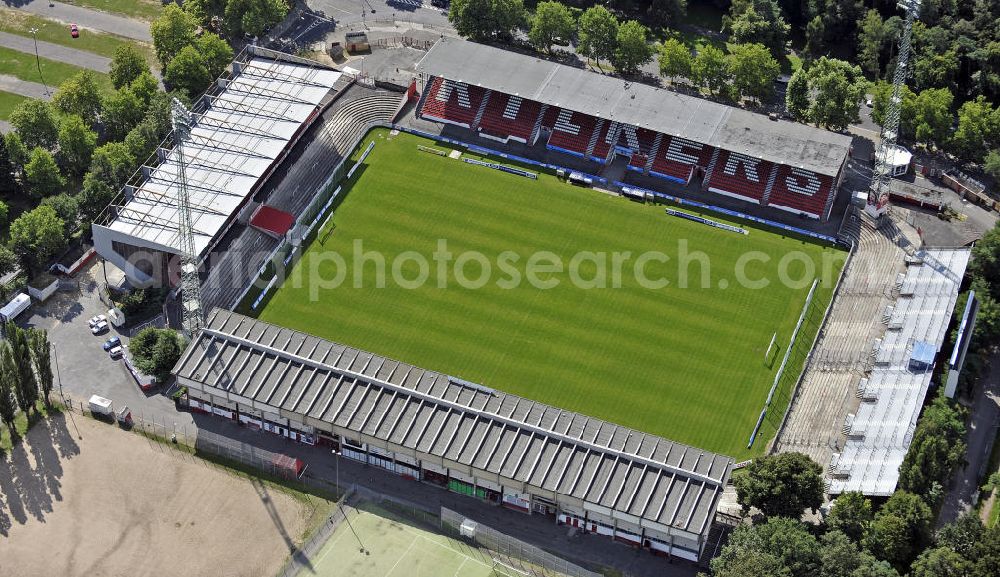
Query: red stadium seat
{"points": [[645, 139], [676, 158], [571, 132], [740, 176], [452, 102], [800, 191], [509, 116]]}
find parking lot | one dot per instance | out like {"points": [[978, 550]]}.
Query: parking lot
{"points": [[82, 367]]}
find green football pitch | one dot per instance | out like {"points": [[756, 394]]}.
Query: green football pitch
{"points": [[688, 363], [394, 548]]}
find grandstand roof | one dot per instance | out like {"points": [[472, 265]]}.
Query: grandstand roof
{"points": [[389, 403], [881, 431], [644, 106], [238, 133]]}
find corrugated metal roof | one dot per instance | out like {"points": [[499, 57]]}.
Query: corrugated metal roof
{"points": [[560, 451]]}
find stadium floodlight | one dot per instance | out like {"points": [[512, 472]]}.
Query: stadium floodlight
{"points": [[878, 193], [190, 282]]}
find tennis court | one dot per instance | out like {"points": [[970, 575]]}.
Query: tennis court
{"points": [[395, 548]]}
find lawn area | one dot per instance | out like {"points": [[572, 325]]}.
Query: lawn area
{"points": [[144, 9], [18, 22], [22, 424], [687, 363], [22, 66], [8, 102]]}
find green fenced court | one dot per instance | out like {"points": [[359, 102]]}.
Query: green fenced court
{"points": [[687, 363], [395, 548]]}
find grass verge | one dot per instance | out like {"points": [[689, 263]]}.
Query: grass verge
{"points": [[23, 423], [21, 65], [55, 32], [142, 9], [8, 102]]}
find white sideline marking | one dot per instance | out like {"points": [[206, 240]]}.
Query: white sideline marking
{"points": [[396, 564]]}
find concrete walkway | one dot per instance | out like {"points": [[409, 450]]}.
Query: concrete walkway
{"points": [[963, 494], [24, 88], [80, 58], [86, 18]]}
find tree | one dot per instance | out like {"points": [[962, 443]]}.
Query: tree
{"points": [[37, 235], [710, 69], [841, 557], [598, 34], [215, 53], [940, 562], [127, 64], [750, 562], [552, 20], [41, 353], [938, 446], [8, 384], [674, 59], [76, 145], [961, 535], [94, 198], [81, 96], [815, 33], [991, 164], [145, 88], [850, 514], [871, 38], [254, 17], [900, 530], [882, 95], [754, 70], [787, 540], [112, 165], [797, 95], [932, 114], [122, 111], [757, 22], [41, 174], [7, 168], [986, 554], [155, 351], [935, 70], [632, 50], [66, 208], [4, 210], [784, 484], [978, 129], [187, 72], [17, 150], [26, 392], [173, 30], [837, 89], [142, 140], [8, 260], [35, 123]]}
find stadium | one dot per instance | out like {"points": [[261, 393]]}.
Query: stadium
{"points": [[616, 408]]}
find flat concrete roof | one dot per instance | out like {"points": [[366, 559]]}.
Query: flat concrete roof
{"points": [[661, 484], [640, 105]]}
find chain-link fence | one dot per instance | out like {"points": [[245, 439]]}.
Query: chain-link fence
{"points": [[269, 462], [300, 558], [511, 551]]}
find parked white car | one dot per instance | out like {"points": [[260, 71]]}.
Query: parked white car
{"points": [[99, 328], [97, 320]]}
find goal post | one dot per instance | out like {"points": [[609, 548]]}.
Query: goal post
{"points": [[770, 347], [502, 569]]}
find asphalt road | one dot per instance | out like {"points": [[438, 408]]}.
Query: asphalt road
{"points": [[24, 88], [985, 418], [347, 12], [86, 18], [80, 58]]}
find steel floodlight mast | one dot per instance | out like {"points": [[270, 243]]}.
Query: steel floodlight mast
{"points": [[878, 193], [193, 319]]}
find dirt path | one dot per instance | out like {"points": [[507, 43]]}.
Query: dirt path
{"points": [[24, 88], [112, 503]]}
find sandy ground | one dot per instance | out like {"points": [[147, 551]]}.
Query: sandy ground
{"points": [[113, 503]]}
